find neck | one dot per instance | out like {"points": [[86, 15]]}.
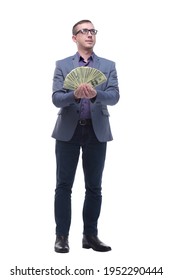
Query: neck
{"points": [[85, 54]]}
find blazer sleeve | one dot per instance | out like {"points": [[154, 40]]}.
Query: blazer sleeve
{"points": [[60, 96], [109, 95]]}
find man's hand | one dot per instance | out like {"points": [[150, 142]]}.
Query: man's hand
{"points": [[85, 91]]}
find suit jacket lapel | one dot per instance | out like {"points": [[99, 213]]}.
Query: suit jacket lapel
{"points": [[75, 61], [96, 62]]}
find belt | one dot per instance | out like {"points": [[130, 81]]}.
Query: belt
{"points": [[85, 122]]}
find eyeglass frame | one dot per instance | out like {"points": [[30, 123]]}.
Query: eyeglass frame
{"points": [[85, 31]]}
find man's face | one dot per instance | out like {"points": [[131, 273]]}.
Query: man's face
{"points": [[85, 39]]}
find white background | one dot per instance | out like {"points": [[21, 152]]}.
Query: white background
{"points": [[136, 217]]}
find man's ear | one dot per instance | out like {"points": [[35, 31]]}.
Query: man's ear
{"points": [[74, 38]]}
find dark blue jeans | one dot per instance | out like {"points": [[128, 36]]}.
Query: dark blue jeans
{"points": [[93, 159]]}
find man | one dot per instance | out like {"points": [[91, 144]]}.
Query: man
{"points": [[83, 123]]}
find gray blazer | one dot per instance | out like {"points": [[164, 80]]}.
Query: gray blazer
{"points": [[68, 115]]}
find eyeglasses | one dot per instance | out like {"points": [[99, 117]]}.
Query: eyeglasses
{"points": [[86, 31]]}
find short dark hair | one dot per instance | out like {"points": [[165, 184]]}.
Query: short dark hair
{"points": [[79, 22]]}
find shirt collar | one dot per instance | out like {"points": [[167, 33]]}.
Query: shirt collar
{"points": [[81, 58]]}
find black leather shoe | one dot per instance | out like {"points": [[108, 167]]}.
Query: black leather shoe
{"points": [[61, 244], [92, 241]]}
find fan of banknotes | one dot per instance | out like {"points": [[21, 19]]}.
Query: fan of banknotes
{"points": [[84, 74]]}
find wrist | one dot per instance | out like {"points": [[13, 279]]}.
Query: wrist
{"points": [[76, 98], [75, 95]]}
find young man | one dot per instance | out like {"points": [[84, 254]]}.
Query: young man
{"points": [[83, 123]]}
